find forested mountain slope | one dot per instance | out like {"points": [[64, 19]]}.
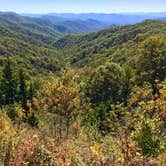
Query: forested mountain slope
{"points": [[51, 26], [26, 46], [103, 103], [42, 51], [28, 40], [113, 41]]}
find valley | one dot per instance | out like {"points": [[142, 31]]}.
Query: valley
{"points": [[82, 89]]}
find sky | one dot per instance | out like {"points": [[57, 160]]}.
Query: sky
{"points": [[82, 6]]}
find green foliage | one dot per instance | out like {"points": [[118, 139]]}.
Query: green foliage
{"points": [[99, 117], [31, 93], [151, 62], [15, 90], [127, 86], [116, 43], [77, 161], [23, 92], [14, 112], [148, 142], [82, 115], [105, 84], [32, 120], [9, 84]]}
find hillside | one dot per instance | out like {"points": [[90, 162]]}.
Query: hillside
{"points": [[27, 47], [38, 50], [108, 43], [28, 40], [51, 26], [94, 99]]}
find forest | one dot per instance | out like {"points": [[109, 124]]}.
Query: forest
{"points": [[94, 99]]}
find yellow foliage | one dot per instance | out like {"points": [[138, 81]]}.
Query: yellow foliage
{"points": [[5, 126], [96, 149]]}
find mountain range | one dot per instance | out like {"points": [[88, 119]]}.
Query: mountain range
{"points": [[108, 19], [44, 44]]}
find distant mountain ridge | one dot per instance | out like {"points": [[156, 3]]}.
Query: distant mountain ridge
{"points": [[28, 41], [163, 19], [46, 44], [109, 19], [54, 27]]}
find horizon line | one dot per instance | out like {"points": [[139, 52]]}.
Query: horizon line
{"points": [[130, 12]]}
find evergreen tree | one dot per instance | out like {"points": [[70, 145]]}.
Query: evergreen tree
{"points": [[148, 143], [31, 93], [9, 84], [1, 93], [23, 92], [151, 62], [127, 84]]}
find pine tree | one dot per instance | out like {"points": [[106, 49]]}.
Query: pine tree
{"points": [[23, 92], [127, 84], [31, 93], [9, 84], [1, 93], [148, 143]]}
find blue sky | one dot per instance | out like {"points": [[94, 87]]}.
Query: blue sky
{"points": [[82, 6]]}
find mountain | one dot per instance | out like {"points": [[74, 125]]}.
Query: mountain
{"points": [[52, 26], [28, 40], [41, 46], [67, 26], [33, 27], [81, 99], [109, 19], [117, 43], [163, 19]]}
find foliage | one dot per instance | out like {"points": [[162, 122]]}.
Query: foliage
{"points": [[14, 112], [105, 84], [89, 113], [23, 92], [152, 60], [63, 98], [32, 120], [147, 140], [9, 84]]}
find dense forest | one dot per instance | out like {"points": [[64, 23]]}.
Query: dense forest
{"points": [[74, 99]]}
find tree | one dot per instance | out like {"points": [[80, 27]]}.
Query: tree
{"points": [[63, 98], [147, 141], [31, 93], [33, 120], [1, 93], [9, 84], [151, 62], [105, 84], [23, 92], [127, 84]]}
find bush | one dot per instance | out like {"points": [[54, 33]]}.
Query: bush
{"points": [[147, 141], [33, 120]]}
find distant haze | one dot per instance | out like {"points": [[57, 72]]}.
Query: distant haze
{"points": [[82, 6], [107, 19]]}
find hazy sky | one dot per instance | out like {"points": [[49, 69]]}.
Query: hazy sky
{"points": [[82, 6]]}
